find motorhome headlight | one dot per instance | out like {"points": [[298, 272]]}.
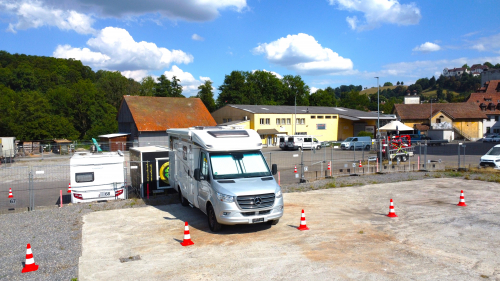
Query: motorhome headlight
{"points": [[278, 193], [225, 197]]}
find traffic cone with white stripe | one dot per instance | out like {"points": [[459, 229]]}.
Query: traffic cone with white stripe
{"points": [[295, 170], [30, 262], [360, 165], [303, 225], [462, 199], [187, 237], [392, 214], [69, 187], [329, 166], [10, 193]]}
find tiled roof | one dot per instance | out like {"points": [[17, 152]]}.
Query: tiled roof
{"points": [[421, 127], [290, 109], [423, 111], [490, 89], [162, 113], [478, 66]]}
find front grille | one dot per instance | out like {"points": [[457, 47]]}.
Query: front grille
{"points": [[489, 164], [248, 201], [247, 214]]}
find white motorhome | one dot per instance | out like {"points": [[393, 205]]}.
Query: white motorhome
{"points": [[96, 177], [224, 174]]}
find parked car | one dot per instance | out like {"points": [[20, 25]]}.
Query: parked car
{"points": [[356, 143], [490, 138], [491, 158]]}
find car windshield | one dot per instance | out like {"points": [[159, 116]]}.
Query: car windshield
{"points": [[348, 139], [234, 165], [494, 151]]}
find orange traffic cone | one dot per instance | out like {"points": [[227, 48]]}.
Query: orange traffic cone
{"points": [[10, 193], [303, 225], [360, 165], [30, 262], [329, 165], [69, 187], [462, 199], [187, 237], [295, 170], [392, 214]]}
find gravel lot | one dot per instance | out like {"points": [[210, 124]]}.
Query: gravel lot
{"points": [[55, 234]]}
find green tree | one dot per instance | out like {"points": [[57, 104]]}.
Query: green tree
{"points": [[466, 66], [176, 88], [113, 85], [295, 87], [449, 96], [163, 87], [232, 91], [488, 64], [206, 95], [397, 83], [388, 84], [148, 86], [322, 98]]}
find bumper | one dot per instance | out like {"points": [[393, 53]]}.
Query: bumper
{"points": [[94, 196], [230, 214], [490, 164]]}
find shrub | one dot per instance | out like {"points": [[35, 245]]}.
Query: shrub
{"points": [[365, 134]]}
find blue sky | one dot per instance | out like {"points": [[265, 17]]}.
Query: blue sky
{"points": [[326, 42]]}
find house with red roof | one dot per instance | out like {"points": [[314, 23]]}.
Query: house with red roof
{"points": [[487, 100]]}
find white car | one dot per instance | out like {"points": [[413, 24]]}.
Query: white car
{"points": [[491, 158]]}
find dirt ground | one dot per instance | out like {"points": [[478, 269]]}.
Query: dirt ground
{"points": [[350, 238]]}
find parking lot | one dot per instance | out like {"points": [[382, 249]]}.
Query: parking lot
{"points": [[349, 238]]}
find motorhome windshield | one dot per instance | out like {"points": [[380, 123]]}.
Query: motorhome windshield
{"points": [[495, 151], [234, 165]]}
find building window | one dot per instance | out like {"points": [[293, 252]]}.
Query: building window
{"points": [[301, 121], [496, 118], [313, 117], [334, 117], [320, 117], [288, 121], [491, 118], [488, 130], [262, 121], [229, 119], [268, 121], [224, 120], [283, 121], [320, 126], [328, 117], [278, 121]]}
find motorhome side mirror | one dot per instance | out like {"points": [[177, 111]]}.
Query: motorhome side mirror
{"points": [[197, 175], [274, 169]]}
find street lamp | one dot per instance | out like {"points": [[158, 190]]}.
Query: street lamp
{"points": [[378, 109]]}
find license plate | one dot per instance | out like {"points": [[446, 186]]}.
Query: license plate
{"points": [[258, 220], [105, 194]]}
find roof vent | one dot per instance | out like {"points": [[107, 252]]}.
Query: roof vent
{"points": [[229, 134]]}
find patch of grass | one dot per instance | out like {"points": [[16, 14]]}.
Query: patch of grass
{"points": [[437, 175], [74, 279], [484, 276], [331, 185], [454, 174], [373, 90], [467, 177], [350, 184], [361, 232]]}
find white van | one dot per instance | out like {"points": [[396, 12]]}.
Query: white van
{"points": [[491, 158], [96, 177], [356, 143], [301, 142]]}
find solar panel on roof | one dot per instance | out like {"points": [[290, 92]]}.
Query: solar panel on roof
{"points": [[228, 134]]}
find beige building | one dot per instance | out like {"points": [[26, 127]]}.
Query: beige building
{"points": [[326, 123]]}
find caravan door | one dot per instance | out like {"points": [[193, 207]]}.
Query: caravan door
{"points": [[204, 184]]}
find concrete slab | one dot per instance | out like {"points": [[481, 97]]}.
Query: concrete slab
{"points": [[350, 238]]}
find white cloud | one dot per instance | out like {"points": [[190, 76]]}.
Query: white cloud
{"points": [[115, 49], [34, 14], [275, 73], [197, 37], [189, 10], [313, 90], [377, 12], [137, 75], [490, 43], [303, 54], [188, 82], [427, 47]]}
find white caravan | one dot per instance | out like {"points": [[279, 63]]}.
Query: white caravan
{"points": [[224, 174], [96, 177]]}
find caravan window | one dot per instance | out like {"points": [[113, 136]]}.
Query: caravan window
{"points": [[84, 177], [282, 139], [290, 139], [307, 139]]}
